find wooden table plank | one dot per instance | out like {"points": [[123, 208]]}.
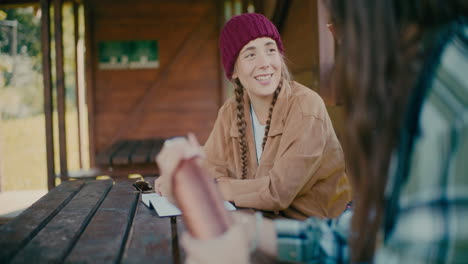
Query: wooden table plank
{"points": [[104, 237], [150, 238], [17, 233], [57, 238]]}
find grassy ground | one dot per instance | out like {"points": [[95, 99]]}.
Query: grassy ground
{"points": [[23, 151]]}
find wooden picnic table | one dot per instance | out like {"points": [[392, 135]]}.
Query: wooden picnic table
{"points": [[91, 221], [95, 221]]}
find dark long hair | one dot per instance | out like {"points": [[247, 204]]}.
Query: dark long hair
{"points": [[379, 59]]}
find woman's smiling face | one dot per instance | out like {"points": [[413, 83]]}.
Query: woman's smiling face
{"points": [[258, 67]]}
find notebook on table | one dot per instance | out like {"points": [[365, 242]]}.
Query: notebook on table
{"points": [[164, 208]]}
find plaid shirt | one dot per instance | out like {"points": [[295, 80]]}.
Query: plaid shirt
{"points": [[430, 222]]}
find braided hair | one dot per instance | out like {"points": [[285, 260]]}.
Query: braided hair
{"points": [[242, 124], [270, 113]]}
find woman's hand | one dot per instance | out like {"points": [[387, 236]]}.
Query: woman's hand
{"points": [[246, 235], [231, 247], [174, 150], [225, 188], [260, 232]]}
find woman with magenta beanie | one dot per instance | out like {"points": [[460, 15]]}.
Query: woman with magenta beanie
{"points": [[273, 147]]}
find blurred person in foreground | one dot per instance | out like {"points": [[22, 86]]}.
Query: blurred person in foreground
{"points": [[403, 69]]}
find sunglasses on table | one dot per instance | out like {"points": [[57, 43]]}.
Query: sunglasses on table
{"points": [[142, 186]]}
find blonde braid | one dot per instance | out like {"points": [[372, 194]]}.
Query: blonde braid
{"points": [[270, 113], [241, 125]]}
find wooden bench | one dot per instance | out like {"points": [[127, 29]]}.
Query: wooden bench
{"points": [[131, 157]]}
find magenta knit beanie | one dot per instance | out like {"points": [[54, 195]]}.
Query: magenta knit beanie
{"points": [[240, 30]]}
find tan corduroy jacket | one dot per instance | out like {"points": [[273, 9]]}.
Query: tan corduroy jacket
{"points": [[302, 169]]}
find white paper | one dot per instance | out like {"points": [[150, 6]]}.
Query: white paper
{"points": [[165, 208]]}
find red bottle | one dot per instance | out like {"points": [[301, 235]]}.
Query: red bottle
{"points": [[200, 201]]}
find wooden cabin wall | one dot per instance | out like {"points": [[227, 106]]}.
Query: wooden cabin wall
{"points": [[308, 44], [182, 95], [310, 53], [301, 48]]}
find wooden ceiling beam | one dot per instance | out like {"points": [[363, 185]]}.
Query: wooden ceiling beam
{"points": [[23, 3]]}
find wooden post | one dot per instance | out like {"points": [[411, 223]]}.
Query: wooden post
{"points": [[89, 79], [326, 45], [47, 81], [1, 160], [280, 14], [14, 48], [259, 6], [223, 83], [60, 84], [76, 32], [245, 6]]}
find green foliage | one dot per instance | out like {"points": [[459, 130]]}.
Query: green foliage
{"points": [[23, 96], [21, 86], [29, 32]]}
